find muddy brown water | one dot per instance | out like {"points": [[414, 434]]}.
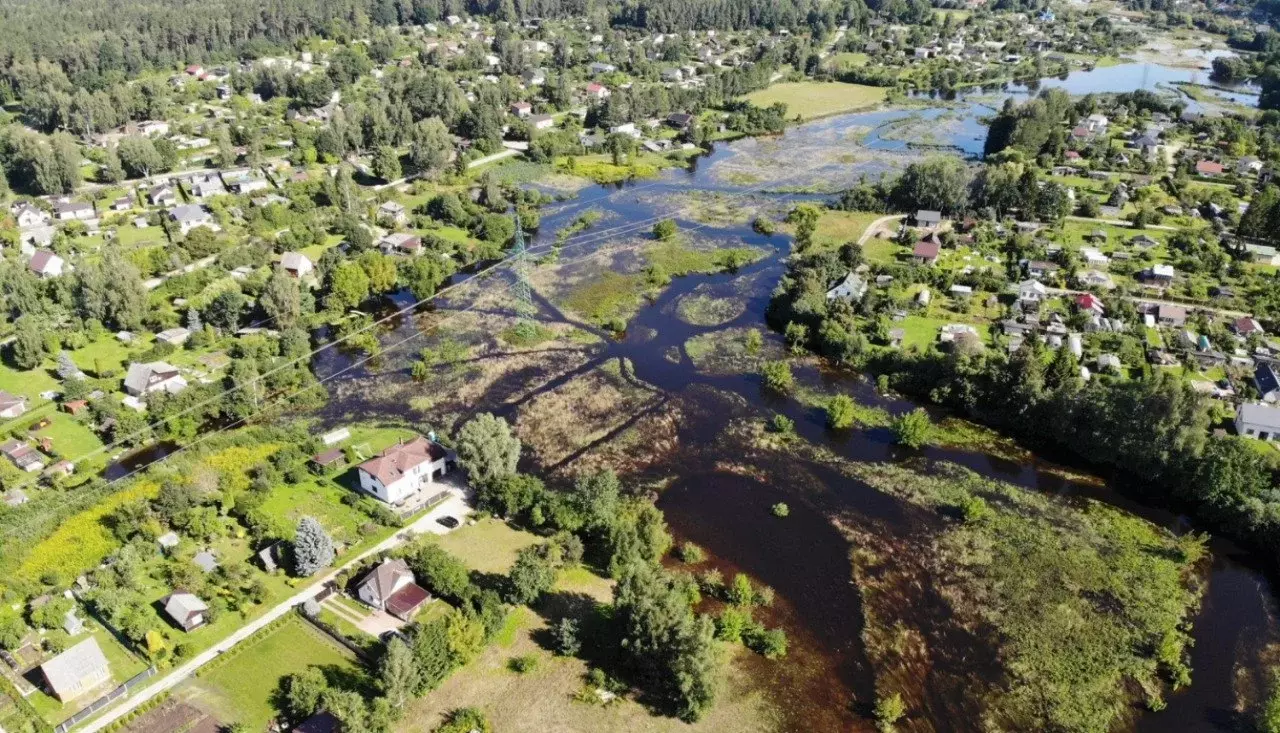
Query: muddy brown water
{"points": [[827, 684]]}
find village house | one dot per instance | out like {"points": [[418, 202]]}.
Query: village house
{"points": [[81, 669], [391, 587], [11, 405], [162, 195], [1209, 168], [1031, 292], [1263, 254], [143, 379], [542, 122], [1037, 269], [1243, 327], [598, 92], [1173, 316], [926, 253], [1264, 378], [46, 264], [205, 186], [22, 455], [175, 336], [851, 288], [27, 215], [403, 469], [522, 109], [73, 211], [393, 211], [296, 264], [185, 610], [1160, 275], [926, 219], [1089, 303], [402, 243], [190, 216]]}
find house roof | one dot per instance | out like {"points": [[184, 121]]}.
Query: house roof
{"points": [[319, 723], [44, 261], [65, 671], [407, 600], [1208, 166], [1263, 416], [388, 466], [383, 578], [205, 561], [928, 215], [1265, 376], [139, 376], [295, 261], [181, 606], [188, 213], [928, 250], [9, 400], [328, 456]]}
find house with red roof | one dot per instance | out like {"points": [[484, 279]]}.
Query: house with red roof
{"points": [[1089, 303], [926, 252], [597, 92], [1209, 168], [391, 587]]}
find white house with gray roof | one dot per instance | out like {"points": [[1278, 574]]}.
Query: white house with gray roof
{"points": [[190, 216], [1258, 421], [156, 376]]}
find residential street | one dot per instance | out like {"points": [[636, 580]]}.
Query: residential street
{"points": [[455, 506]]}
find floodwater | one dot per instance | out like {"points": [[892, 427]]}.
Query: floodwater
{"points": [[805, 559]]}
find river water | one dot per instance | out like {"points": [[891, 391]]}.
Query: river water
{"points": [[805, 559]]}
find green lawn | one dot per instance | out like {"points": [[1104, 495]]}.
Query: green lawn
{"points": [[241, 689], [27, 384], [489, 546], [837, 227], [109, 354], [322, 499], [72, 439], [847, 60], [810, 99]]}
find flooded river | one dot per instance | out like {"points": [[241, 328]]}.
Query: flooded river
{"points": [[805, 559]]}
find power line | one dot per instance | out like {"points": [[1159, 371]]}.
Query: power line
{"points": [[586, 238]]}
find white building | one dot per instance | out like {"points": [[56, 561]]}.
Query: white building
{"points": [[403, 469]]}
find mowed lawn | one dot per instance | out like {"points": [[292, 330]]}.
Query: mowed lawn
{"points": [[810, 99], [489, 546], [241, 690]]}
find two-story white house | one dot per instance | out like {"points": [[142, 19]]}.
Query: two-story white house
{"points": [[403, 469]]}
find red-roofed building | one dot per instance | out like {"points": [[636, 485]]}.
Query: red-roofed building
{"points": [[926, 253], [597, 91], [1209, 168], [1089, 302], [401, 470], [391, 587]]}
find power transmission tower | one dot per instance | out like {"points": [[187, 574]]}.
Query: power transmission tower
{"points": [[520, 259]]}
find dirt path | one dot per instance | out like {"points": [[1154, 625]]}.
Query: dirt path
{"points": [[877, 225]]}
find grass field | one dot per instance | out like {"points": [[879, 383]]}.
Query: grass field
{"points": [[489, 546], [810, 99], [544, 699], [837, 227], [847, 60], [241, 690]]}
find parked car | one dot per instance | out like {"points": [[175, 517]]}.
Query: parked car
{"points": [[449, 522]]}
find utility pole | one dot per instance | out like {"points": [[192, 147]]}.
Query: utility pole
{"points": [[520, 265]]}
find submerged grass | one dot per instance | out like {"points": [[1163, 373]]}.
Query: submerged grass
{"points": [[1088, 605]]}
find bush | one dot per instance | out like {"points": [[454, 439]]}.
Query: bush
{"points": [[770, 643], [665, 230], [523, 665], [731, 623], [780, 509], [754, 341], [466, 720], [691, 553], [912, 429], [974, 509], [777, 376], [889, 710], [567, 643], [763, 225], [782, 425], [841, 412]]}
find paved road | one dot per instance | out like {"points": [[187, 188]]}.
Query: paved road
{"points": [[455, 506]]}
